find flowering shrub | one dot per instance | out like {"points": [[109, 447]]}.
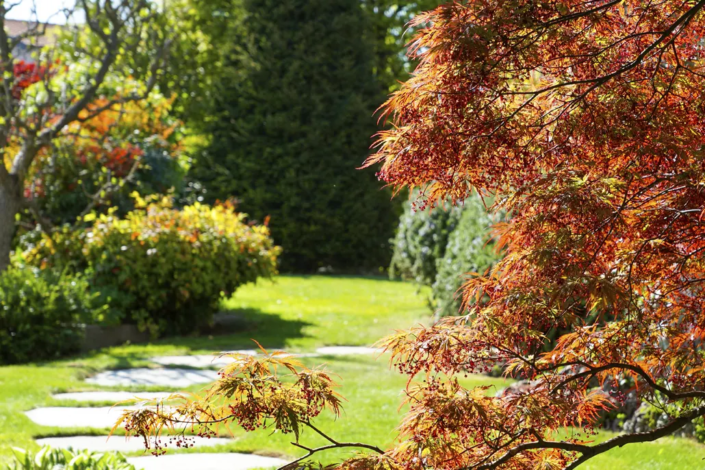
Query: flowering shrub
{"points": [[164, 268], [96, 164]]}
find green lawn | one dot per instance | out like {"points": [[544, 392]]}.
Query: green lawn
{"points": [[300, 314]]}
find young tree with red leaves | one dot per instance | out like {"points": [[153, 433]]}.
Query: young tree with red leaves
{"points": [[119, 40], [584, 122]]}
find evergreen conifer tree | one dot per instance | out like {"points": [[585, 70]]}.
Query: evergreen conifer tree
{"points": [[295, 118]]}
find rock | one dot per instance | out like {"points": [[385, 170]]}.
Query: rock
{"points": [[113, 397], [67, 417]]}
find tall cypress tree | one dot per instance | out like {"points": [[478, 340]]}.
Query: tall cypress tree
{"points": [[295, 120]]}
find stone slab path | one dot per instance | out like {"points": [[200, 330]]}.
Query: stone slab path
{"points": [[112, 397], [66, 417], [105, 417], [205, 462], [209, 360], [116, 443], [161, 377], [199, 361]]}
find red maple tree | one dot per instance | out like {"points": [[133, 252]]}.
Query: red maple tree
{"points": [[584, 122]]}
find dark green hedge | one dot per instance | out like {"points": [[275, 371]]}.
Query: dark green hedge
{"points": [[293, 124]]}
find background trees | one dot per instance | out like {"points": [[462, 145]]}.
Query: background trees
{"points": [[585, 123], [294, 116], [119, 39]]}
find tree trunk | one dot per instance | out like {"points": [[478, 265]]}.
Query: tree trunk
{"points": [[9, 206]]}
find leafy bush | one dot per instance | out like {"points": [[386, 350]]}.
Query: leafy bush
{"points": [[164, 269], [469, 250], [421, 241], [68, 459], [438, 247], [134, 147], [41, 314]]}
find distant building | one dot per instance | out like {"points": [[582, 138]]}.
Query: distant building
{"points": [[24, 50]]}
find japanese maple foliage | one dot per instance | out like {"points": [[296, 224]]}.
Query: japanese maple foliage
{"points": [[585, 122]]}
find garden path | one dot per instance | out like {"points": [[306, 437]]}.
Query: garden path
{"points": [[199, 371]]}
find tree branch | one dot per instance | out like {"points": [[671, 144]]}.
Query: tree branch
{"points": [[589, 452]]}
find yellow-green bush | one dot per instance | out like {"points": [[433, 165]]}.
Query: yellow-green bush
{"points": [[164, 268]]}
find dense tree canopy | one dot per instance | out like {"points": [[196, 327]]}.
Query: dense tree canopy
{"points": [[71, 83], [293, 123], [584, 121], [390, 33]]}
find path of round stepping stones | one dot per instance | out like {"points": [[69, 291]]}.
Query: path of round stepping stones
{"points": [[104, 417]]}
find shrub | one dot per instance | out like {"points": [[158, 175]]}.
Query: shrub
{"points": [[165, 269], [133, 147], [68, 459], [41, 314], [421, 241], [438, 247], [469, 250]]}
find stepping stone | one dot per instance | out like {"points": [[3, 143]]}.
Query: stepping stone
{"points": [[118, 443], [347, 350], [205, 462], [200, 361], [209, 360], [66, 417], [162, 377], [113, 397]]}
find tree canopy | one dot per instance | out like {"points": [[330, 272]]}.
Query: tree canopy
{"points": [[584, 123], [116, 57], [292, 124]]}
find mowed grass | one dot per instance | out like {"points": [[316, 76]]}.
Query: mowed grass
{"points": [[299, 313]]}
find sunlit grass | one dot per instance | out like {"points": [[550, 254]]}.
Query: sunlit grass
{"points": [[297, 313]]}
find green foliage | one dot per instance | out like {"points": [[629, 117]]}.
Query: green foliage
{"points": [[421, 242], [389, 34], [438, 247], [202, 31], [68, 459], [469, 250], [41, 314], [134, 147], [161, 268], [699, 424], [294, 121]]}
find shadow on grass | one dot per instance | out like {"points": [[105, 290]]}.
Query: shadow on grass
{"points": [[269, 329]]}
